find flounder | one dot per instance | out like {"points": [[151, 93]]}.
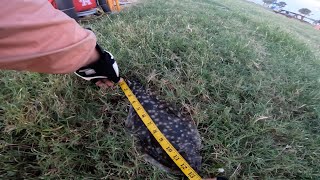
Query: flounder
{"points": [[181, 131]]}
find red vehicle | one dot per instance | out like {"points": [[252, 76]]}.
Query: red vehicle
{"points": [[79, 8]]}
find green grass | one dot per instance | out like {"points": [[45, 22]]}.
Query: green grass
{"points": [[249, 78]]}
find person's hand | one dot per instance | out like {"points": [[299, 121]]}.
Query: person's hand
{"points": [[104, 83], [104, 71]]}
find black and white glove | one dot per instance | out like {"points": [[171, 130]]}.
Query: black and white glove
{"points": [[104, 68]]}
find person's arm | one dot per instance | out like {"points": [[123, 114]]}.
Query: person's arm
{"points": [[36, 37]]}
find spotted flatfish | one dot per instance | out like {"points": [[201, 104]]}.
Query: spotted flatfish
{"points": [[179, 130]]}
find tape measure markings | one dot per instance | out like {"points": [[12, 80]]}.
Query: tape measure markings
{"points": [[163, 141]]}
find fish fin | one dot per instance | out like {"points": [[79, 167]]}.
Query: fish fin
{"points": [[172, 109], [133, 122], [154, 162], [129, 121]]}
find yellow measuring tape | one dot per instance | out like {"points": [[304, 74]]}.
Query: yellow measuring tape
{"points": [[163, 141]]}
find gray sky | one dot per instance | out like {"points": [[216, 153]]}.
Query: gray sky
{"points": [[295, 5]]}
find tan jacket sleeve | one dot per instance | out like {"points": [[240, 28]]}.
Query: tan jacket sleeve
{"points": [[36, 37]]}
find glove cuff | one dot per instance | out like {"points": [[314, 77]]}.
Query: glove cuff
{"points": [[104, 67]]}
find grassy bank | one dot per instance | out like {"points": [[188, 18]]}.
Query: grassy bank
{"points": [[249, 78]]}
